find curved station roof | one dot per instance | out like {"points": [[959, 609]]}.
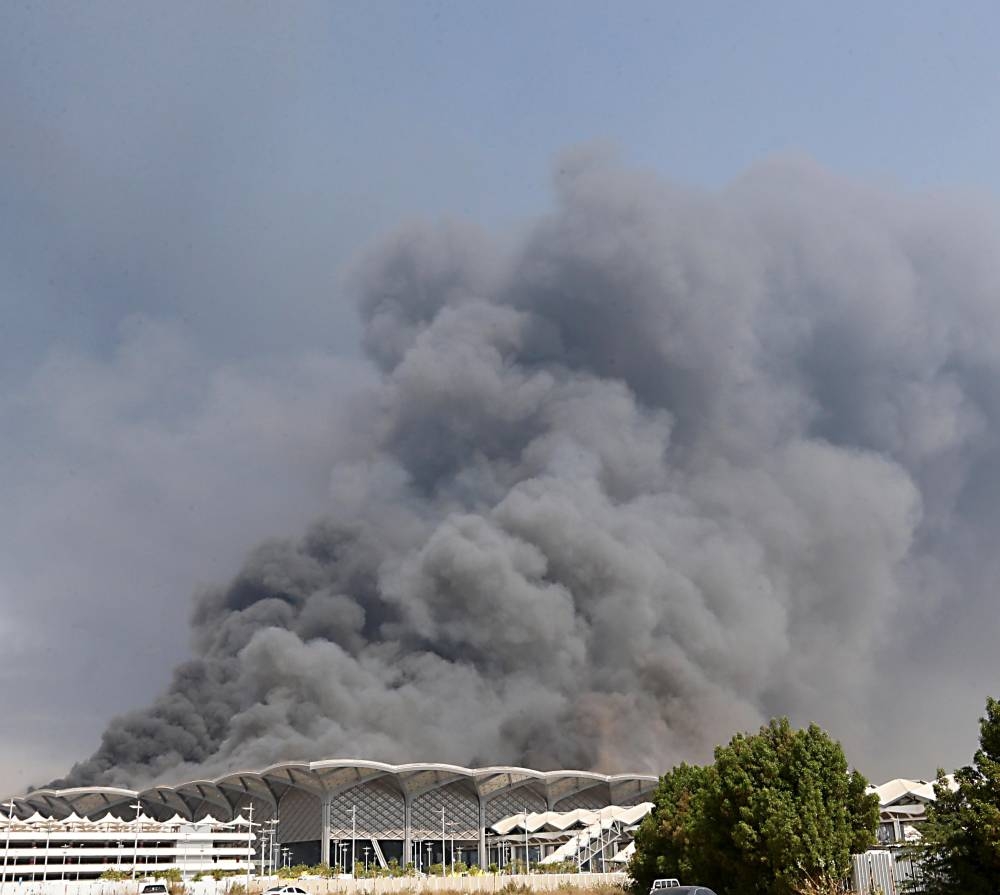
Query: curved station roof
{"points": [[227, 796]]}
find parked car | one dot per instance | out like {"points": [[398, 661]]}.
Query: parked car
{"points": [[691, 890], [153, 889], [660, 884], [286, 890]]}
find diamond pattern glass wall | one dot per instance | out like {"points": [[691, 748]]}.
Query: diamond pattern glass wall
{"points": [[515, 801], [380, 812], [461, 808], [594, 799], [300, 817]]}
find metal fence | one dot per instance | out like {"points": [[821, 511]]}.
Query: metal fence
{"points": [[486, 883], [891, 871]]}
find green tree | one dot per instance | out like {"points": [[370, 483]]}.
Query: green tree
{"points": [[960, 844], [778, 812]]}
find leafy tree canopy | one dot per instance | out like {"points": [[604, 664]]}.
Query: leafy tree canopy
{"points": [[778, 810], [960, 848]]}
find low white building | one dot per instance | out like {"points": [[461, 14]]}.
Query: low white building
{"points": [[38, 848]]}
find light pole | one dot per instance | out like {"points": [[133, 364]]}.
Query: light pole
{"points": [[6, 848], [367, 849], [186, 849], [250, 847], [271, 859], [601, 839], [135, 850], [429, 846], [45, 857], [354, 833], [527, 862], [451, 826], [444, 853]]}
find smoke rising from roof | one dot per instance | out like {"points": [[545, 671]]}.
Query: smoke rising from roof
{"points": [[678, 462]]}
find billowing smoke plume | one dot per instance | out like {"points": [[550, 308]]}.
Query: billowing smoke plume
{"points": [[678, 462]]}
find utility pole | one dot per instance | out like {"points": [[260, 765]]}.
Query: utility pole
{"points": [[354, 832], [527, 862], [250, 847], [6, 848], [135, 849]]}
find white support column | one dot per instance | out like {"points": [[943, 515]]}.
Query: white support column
{"points": [[324, 835]]}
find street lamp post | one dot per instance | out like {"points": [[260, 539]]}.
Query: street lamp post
{"points": [[367, 849], [250, 848], [45, 857], [135, 850], [601, 839], [429, 846], [186, 851], [6, 848], [354, 833], [527, 861], [271, 859], [444, 855]]}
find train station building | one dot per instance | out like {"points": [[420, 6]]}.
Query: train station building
{"points": [[335, 810]]}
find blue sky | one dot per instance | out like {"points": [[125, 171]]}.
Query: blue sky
{"points": [[332, 122], [182, 186]]}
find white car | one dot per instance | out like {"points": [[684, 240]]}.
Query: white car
{"points": [[286, 890], [660, 884]]}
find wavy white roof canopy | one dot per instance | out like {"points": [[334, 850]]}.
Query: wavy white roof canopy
{"points": [[229, 795], [901, 791]]}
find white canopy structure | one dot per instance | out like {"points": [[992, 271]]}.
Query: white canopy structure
{"points": [[903, 807], [601, 834]]}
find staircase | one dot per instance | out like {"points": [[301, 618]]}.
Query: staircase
{"points": [[378, 853]]}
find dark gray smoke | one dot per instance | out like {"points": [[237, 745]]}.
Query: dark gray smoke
{"points": [[679, 462]]}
